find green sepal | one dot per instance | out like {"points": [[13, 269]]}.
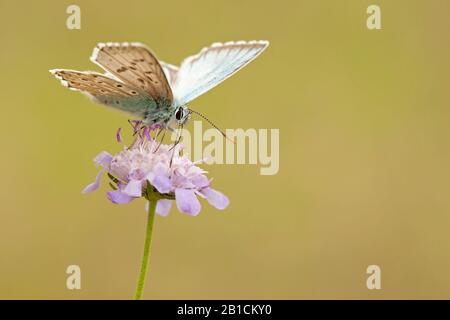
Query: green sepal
{"points": [[114, 179], [113, 186], [152, 194]]}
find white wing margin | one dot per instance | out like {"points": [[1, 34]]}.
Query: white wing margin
{"points": [[212, 65], [170, 71]]}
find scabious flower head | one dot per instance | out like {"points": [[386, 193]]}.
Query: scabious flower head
{"points": [[157, 172]]}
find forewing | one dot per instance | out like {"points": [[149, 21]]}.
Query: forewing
{"points": [[134, 64], [103, 89], [170, 71], [200, 73]]}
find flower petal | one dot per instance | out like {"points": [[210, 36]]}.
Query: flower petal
{"points": [[162, 184], [146, 133], [118, 135], [118, 197], [136, 174], [215, 198], [163, 207], [187, 201], [161, 168], [150, 176], [103, 159], [133, 188], [200, 181], [94, 185]]}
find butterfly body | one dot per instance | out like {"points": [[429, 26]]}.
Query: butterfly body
{"points": [[156, 112], [155, 92]]}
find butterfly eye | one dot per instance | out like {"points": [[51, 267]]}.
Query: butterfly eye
{"points": [[179, 114]]}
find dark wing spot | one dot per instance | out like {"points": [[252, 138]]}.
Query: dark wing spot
{"points": [[133, 92], [122, 69], [132, 68], [119, 85]]}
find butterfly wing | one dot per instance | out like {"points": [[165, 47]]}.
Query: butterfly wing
{"points": [[106, 90], [134, 64], [200, 73], [170, 71]]}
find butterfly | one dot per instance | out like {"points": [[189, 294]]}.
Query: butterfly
{"points": [[155, 92]]}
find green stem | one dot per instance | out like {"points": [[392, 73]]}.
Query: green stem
{"points": [[146, 255]]}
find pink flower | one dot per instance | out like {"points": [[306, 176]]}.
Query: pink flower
{"points": [[146, 170]]}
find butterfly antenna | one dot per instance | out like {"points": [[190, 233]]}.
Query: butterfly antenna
{"points": [[213, 125]]}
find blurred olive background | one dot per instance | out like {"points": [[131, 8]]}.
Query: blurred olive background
{"points": [[364, 166]]}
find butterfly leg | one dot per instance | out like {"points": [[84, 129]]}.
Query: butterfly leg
{"points": [[162, 138], [176, 142], [179, 137], [136, 125], [137, 131], [158, 133]]}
